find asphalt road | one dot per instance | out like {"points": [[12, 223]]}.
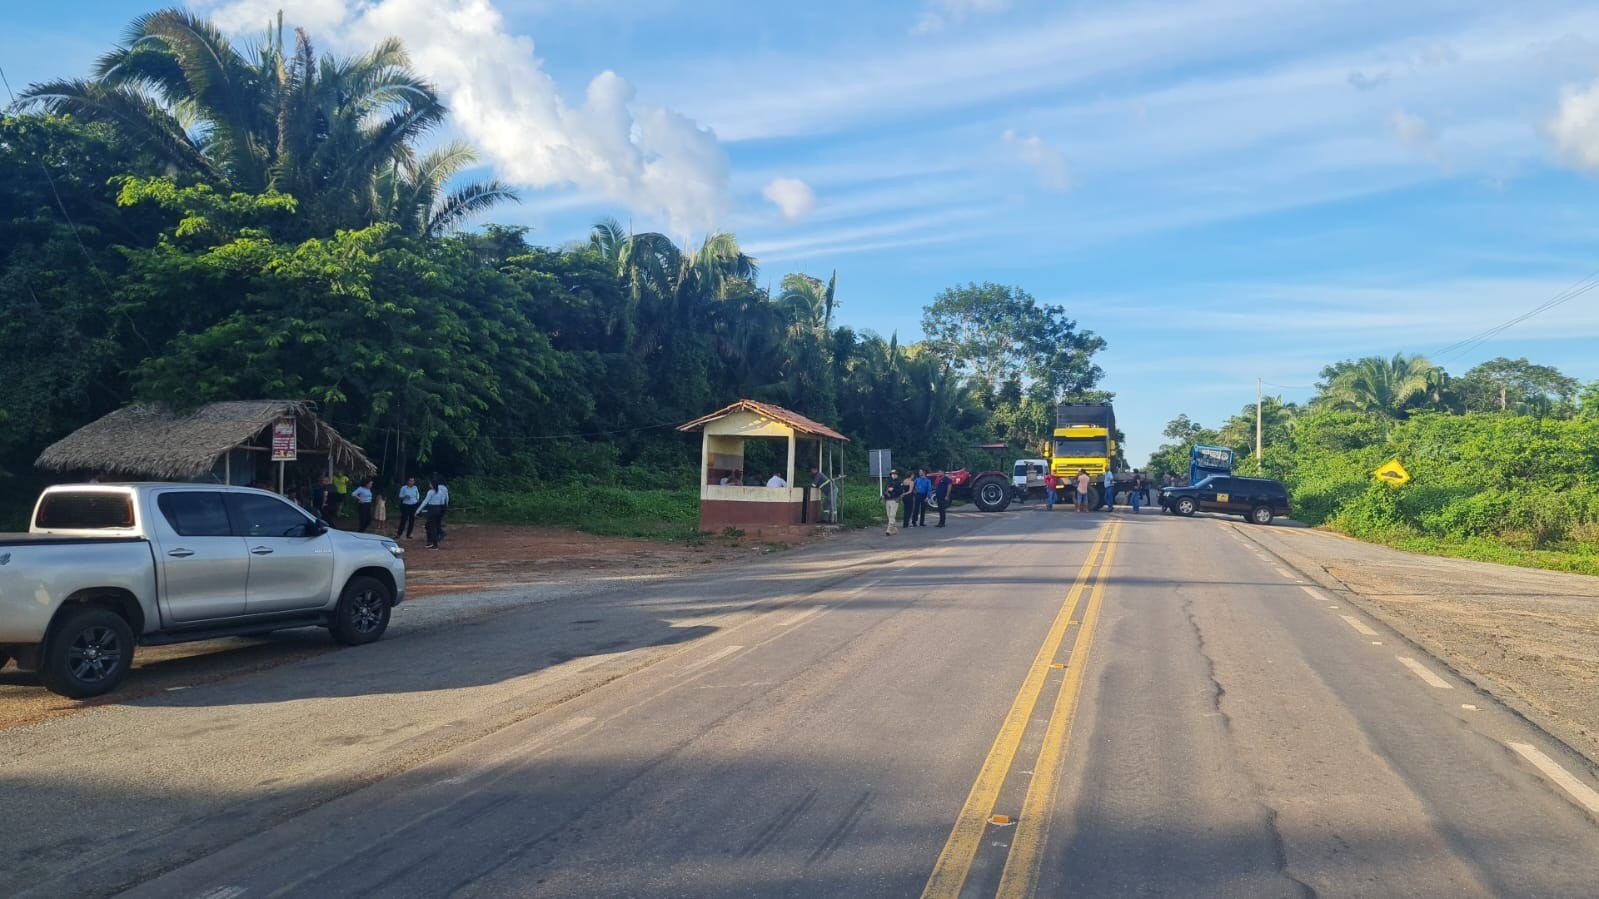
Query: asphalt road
{"points": [[1019, 704]]}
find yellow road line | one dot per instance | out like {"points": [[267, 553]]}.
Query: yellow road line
{"points": [[1020, 877], [955, 862]]}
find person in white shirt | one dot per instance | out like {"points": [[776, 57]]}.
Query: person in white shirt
{"points": [[410, 499], [776, 480], [434, 505]]}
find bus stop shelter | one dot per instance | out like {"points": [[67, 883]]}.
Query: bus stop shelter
{"points": [[730, 496]]}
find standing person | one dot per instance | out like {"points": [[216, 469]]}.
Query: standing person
{"points": [[1137, 495], [892, 491], [322, 498], [907, 502], [1083, 482], [432, 511], [442, 499], [924, 495], [363, 505], [941, 488], [1110, 489], [410, 498], [341, 489], [1051, 484]]}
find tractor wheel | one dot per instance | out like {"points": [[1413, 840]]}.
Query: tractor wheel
{"points": [[991, 493]]}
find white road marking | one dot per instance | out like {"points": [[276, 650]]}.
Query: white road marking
{"points": [[1358, 625], [1584, 794], [1285, 574], [1424, 673], [1314, 593], [227, 892], [549, 735], [1376, 643], [796, 619], [716, 656]]}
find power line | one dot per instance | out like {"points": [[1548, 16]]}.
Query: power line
{"points": [[1586, 284]]}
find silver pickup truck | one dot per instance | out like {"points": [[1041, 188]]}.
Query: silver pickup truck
{"points": [[106, 567]]}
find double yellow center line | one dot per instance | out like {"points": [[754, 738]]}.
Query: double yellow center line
{"points": [[1032, 827]]}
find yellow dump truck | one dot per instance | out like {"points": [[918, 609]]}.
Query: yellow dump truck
{"points": [[1084, 438]]}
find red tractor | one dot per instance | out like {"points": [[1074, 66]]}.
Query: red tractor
{"points": [[989, 491]]}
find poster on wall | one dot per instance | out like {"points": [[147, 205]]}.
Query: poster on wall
{"points": [[285, 446]]}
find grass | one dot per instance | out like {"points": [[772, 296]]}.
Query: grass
{"points": [[670, 514], [1482, 549]]}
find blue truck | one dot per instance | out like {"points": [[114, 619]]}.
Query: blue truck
{"points": [[1207, 461]]}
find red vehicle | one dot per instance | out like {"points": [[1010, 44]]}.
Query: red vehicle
{"points": [[989, 491]]}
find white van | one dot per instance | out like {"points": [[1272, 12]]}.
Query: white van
{"points": [[1027, 477]]}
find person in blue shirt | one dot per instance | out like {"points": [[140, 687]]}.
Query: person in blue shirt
{"points": [[410, 498], [363, 498], [924, 494]]}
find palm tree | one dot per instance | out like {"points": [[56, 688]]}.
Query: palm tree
{"points": [[1385, 388], [337, 134]]}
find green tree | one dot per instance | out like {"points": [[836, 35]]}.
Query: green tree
{"points": [[1516, 385], [337, 134], [1386, 389]]}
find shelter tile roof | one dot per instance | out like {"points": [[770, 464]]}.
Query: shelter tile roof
{"points": [[798, 422]]}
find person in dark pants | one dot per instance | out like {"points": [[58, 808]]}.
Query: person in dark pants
{"points": [[907, 508], [410, 499], [941, 487], [363, 505], [433, 515], [924, 495]]}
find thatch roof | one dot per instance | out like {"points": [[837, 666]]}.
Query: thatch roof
{"points": [[798, 422], [153, 442]]}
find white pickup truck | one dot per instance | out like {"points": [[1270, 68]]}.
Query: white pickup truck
{"points": [[106, 567]]}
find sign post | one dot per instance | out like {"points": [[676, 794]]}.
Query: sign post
{"points": [[285, 445]]}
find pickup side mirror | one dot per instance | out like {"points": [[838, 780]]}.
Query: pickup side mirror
{"points": [[316, 528]]}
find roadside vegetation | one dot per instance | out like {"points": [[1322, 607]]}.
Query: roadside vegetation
{"points": [[199, 220], [1504, 459]]}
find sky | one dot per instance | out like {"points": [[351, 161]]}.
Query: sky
{"points": [[1224, 190]]}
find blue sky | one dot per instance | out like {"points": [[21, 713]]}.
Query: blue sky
{"points": [[1222, 189]]}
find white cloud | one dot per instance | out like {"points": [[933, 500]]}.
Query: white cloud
{"points": [[936, 14], [1411, 129], [1047, 163], [1575, 128], [653, 160], [791, 195]]}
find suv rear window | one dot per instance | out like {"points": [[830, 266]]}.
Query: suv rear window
{"points": [[86, 511]]}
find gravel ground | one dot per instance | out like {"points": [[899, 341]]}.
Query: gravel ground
{"points": [[1530, 638]]}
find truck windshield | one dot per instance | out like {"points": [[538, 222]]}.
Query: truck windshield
{"points": [[87, 511], [1081, 447]]}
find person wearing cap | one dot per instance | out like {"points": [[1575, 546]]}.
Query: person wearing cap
{"points": [[892, 491], [941, 487]]}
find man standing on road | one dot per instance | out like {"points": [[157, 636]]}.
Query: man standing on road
{"points": [[410, 498], [891, 496], [924, 494], [941, 486], [1082, 489], [432, 508], [1110, 489], [1051, 484], [1136, 497]]}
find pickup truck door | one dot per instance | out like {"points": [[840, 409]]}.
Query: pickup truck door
{"points": [[201, 565], [290, 569]]}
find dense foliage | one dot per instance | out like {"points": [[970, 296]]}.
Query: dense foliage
{"points": [[1504, 459], [201, 222]]}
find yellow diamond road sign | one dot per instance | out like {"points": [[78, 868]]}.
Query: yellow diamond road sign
{"points": [[1392, 473]]}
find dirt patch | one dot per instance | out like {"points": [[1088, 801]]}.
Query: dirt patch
{"points": [[480, 557]]}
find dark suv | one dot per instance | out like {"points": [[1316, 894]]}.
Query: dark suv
{"points": [[1257, 499]]}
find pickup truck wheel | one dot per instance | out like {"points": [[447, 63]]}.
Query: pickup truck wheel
{"points": [[1185, 505], [89, 653], [362, 614], [1260, 515]]}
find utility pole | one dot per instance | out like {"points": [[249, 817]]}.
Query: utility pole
{"points": [[1257, 420]]}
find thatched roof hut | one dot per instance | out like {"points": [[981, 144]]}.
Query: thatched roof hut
{"points": [[153, 442]]}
